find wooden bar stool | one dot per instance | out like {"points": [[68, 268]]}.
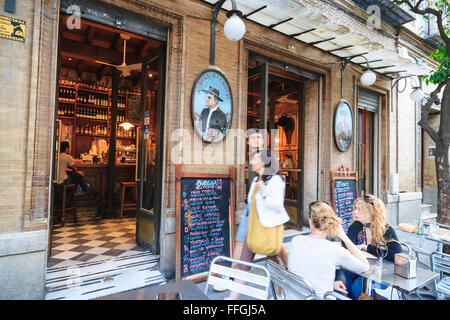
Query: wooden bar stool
{"points": [[60, 203], [130, 205]]}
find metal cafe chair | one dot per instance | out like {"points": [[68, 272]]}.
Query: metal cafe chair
{"points": [[440, 262], [253, 285], [291, 283]]}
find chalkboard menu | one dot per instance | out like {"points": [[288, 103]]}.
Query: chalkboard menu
{"points": [[344, 192], [134, 114], [204, 223]]}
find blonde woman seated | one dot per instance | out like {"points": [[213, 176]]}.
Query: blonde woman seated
{"points": [[315, 259], [369, 227]]}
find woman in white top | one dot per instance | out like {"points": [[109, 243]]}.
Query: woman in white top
{"points": [[266, 205], [315, 259]]}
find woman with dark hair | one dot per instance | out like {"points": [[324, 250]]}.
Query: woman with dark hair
{"points": [[266, 207]]}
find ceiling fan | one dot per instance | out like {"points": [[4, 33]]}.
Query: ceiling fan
{"points": [[124, 68]]}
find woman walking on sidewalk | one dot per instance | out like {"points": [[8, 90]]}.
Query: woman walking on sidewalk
{"points": [[266, 213]]}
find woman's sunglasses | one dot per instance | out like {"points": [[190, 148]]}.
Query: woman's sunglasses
{"points": [[368, 199]]}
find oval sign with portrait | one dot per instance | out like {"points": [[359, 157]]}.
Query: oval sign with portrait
{"points": [[211, 106], [343, 126]]}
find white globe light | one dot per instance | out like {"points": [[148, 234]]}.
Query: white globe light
{"points": [[416, 95], [368, 78], [234, 28], [126, 125]]}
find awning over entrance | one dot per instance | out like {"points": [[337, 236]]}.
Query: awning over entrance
{"points": [[296, 21]]}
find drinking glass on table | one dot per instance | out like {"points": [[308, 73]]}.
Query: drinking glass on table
{"points": [[382, 251]]}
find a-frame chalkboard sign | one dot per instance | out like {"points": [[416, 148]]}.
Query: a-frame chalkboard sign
{"points": [[204, 221], [344, 191]]}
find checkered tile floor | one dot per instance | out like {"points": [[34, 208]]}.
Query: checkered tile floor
{"points": [[97, 241]]}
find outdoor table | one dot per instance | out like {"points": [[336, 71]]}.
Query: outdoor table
{"points": [[389, 278], [186, 288]]}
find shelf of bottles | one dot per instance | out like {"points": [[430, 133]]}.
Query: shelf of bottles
{"points": [[88, 106], [126, 134]]}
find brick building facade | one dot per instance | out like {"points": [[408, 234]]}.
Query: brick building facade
{"points": [[27, 116]]}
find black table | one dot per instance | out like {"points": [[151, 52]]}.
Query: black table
{"points": [[187, 289]]}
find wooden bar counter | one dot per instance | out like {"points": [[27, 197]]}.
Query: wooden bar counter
{"points": [[97, 175]]}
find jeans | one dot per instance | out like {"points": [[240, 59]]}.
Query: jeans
{"points": [[77, 181], [355, 284], [243, 226]]}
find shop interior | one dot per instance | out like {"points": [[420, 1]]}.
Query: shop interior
{"points": [[94, 225], [283, 114]]}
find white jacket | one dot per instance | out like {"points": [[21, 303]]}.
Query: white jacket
{"points": [[270, 205]]}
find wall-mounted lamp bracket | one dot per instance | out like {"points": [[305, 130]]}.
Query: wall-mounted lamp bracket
{"points": [[217, 8], [345, 62]]}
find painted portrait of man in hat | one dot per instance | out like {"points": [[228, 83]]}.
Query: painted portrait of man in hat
{"points": [[211, 107], [212, 116]]}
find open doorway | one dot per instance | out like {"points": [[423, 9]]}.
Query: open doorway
{"points": [[276, 103], [110, 98]]}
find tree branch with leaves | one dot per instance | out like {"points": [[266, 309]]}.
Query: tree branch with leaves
{"points": [[440, 9]]}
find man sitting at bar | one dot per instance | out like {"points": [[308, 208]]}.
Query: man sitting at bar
{"points": [[68, 172]]}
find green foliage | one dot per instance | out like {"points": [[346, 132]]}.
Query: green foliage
{"points": [[441, 54], [443, 71]]}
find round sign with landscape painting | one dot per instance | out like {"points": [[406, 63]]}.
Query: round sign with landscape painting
{"points": [[211, 106], [343, 126]]}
